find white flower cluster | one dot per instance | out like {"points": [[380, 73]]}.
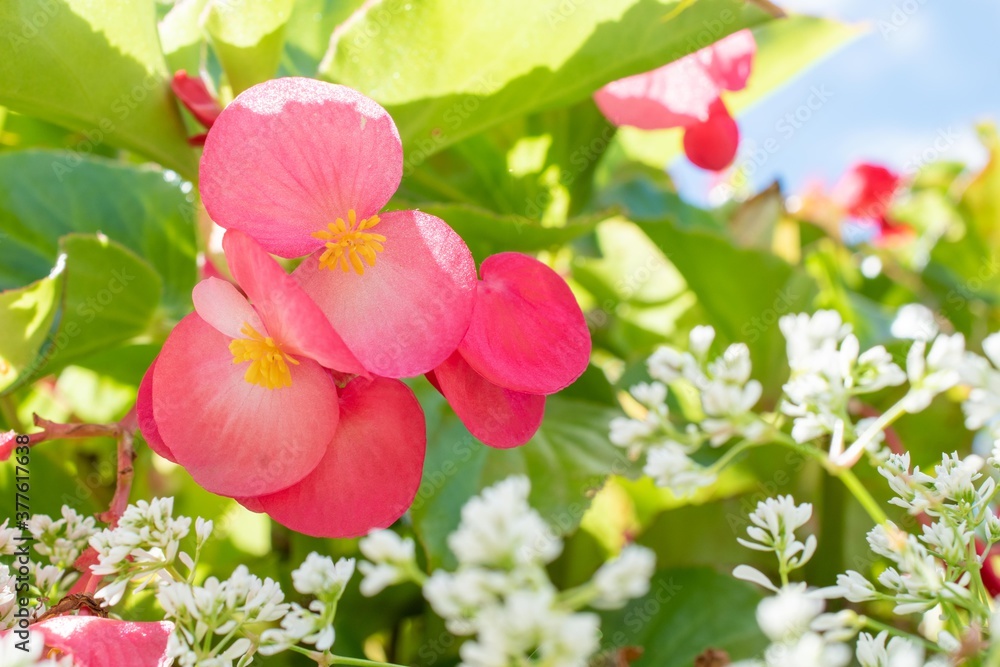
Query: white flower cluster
{"points": [[325, 580], [8, 538], [793, 619], [932, 569], [726, 395], [774, 524], [8, 597], [221, 608], [144, 543], [64, 540], [501, 595], [982, 407], [827, 370]]}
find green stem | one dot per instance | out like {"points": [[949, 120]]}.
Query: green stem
{"points": [[361, 662], [733, 452], [879, 626], [845, 475], [576, 598], [9, 412], [860, 493]]}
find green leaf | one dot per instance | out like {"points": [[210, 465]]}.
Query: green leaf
{"points": [[95, 67], [141, 208], [28, 318], [785, 48], [448, 69], [686, 612], [248, 36], [307, 34], [487, 233], [743, 291], [108, 296], [182, 37], [566, 461]]}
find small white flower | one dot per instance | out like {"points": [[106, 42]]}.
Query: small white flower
{"points": [[775, 521], [938, 372], [651, 394], [915, 321], [626, 432], [667, 365], [700, 340], [8, 538], [500, 529], [853, 587], [670, 467], [787, 615], [391, 556], [899, 652], [320, 576], [624, 578]]}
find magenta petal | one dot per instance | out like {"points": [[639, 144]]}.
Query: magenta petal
{"points": [[371, 471], [236, 438], [527, 332], [712, 145], [289, 315], [499, 417], [407, 313], [219, 303], [674, 95], [289, 156], [105, 642], [730, 60], [144, 413]]}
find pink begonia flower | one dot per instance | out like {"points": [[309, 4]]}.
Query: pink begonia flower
{"points": [[528, 338], [305, 167], [240, 394], [370, 472], [90, 641], [686, 93], [865, 192]]}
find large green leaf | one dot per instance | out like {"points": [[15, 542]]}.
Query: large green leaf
{"points": [[96, 67], [743, 291], [487, 233], [307, 34], [448, 69], [141, 208], [566, 461], [785, 48], [100, 295], [686, 612], [29, 316], [248, 36]]}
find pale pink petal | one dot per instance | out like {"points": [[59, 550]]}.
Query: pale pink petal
{"points": [[288, 156], [527, 332], [144, 413], [105, 642], [219, 303], [288, 314], [371, 471], [236, 438], [712, 144], [499, 417], [407, 313], [674, 95], [730, 60]]}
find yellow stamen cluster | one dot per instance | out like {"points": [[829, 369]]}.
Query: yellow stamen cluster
{"points": [[268, 363], [348, 244]]}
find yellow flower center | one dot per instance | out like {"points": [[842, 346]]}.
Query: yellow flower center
{"points": [[348, 244], [268, 363]]}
